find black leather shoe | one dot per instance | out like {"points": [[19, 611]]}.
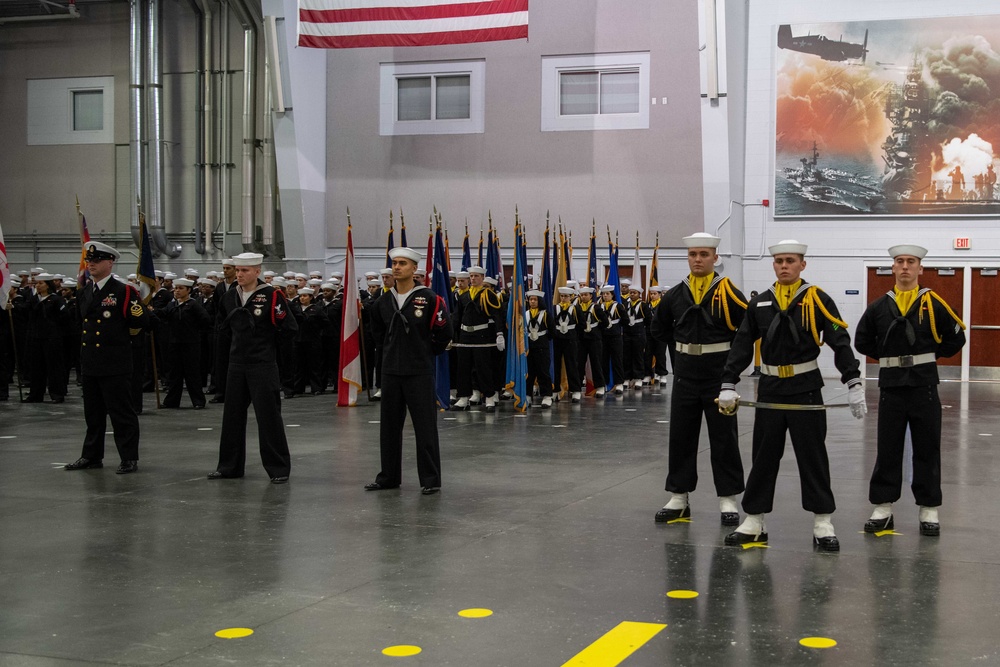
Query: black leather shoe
{"points": [[930, 529], [83, 464], [375, 486], [830, 544], [430, 490], [876, 525], [58, 399], [199, 406], [664, 515], [737, 538], [215, 474], [729, 518], [218, 398], [283, 479], [126, 467]]}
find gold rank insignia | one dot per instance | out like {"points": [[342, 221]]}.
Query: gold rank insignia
{"points": [[136, 309]]}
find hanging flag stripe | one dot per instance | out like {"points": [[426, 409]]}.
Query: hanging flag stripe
{"points": [[346, 24]]}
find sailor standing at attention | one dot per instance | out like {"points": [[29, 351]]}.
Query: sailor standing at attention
{"points": [[793, 319], [908, 330], [699, 318]]}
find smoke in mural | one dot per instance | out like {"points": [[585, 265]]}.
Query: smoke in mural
{"points": [[888, 118]]}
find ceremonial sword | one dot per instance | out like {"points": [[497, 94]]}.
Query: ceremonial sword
{"points": [[782, 406]]}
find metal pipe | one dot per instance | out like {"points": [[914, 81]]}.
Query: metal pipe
{"points": [[40, 18], [136, 130], [200, 235], [154, 154], [225, 123], [268, 168], [208, 117], [250, 23]]}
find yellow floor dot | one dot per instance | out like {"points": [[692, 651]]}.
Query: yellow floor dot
{"points": [[817, 642], [682, 595], [401, 651], [234, 633], [475, 613]]}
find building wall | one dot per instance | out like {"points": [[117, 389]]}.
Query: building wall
{"points": [[632, 180]]}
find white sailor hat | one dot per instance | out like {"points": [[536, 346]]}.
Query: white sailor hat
{"points": [[462, 275], [655, 288], [15, 282], [567, 291], [95, 252], [301, 276], [340, 274], [269, 274], [315, 273], [207, 281], [42, 277], [786, 247], [535, 292], [307, 290], [608, 288], [453, 274], [625, 281], [374, 283], [288, 274], [531, 276], [586, 290], [420, 272], [184, 282], [100, 246], [405, 253], [337, 281], [385, 272], [169, 276], [701, 240], [58, 276], [371, 274], [313, 282], [131, 276], [279, 281], [228, 261], [572, 283], [634, 288], [212, 274], [24, 272], [192, 272], [477, 269], [490, 280], [908, 249], [328, 286], [158, 273], [248, 259], [69, 282]]}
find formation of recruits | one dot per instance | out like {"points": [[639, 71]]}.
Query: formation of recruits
{"points": [[704, 324]]}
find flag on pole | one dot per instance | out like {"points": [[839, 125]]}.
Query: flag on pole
{"points": [[402, 232], [569, 256], [560, 277], [389, 243], [517, 345], [4, 276], [447, 253], [653, 280], [83, 275], [547, 287], [466, 249], [491, 264], [145, 272], [637, 266], [345, 24], [592, 260], [439, 283], [349, 364], [480, 262], [429, 266]]}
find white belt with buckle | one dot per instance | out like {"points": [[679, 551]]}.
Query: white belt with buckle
{"points": [[535, 334], [477, 327], [697, 349], [907, 360], [789, 370]]}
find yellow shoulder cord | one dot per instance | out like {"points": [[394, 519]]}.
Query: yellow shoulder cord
{"points": [[809, 303], [484, 301], [724, 292], [925, 300]]}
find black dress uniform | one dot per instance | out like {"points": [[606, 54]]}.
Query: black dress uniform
{"points": [[702, 335], [538, 326], [564, 346], [252, 333], [47, 320], [220, 368], [907, 347], [655, 363], [790, 345], [110, 312], [591, 320], [410, 337], [479, 315], [634, 339], [611, 342], [309, 349], [186, 323]]}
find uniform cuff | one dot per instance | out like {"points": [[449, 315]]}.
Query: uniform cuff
{"points": [[731, 386], [854, 382]]}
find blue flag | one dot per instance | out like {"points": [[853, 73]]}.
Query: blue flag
{"points": [[439, 283], [145, 272], [517, 343], [592, 263], [466, 252]]}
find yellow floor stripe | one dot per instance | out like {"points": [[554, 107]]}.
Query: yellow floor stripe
{"points": [[619, 643]]}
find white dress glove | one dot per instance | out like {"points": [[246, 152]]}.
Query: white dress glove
{"points": [[501, 343], [856, 398], [727, 400]]}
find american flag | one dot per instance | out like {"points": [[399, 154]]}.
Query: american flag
{"points": [[4, 274], [339, 24]]}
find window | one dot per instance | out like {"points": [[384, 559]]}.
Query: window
{"points": [[88, 110], [71, 111], [432, 98], [595, 92]]}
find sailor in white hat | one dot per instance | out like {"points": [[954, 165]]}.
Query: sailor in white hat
{"points": [[539, 326], [907, 331], [564, 340], [186, 321], [656, 349], [699, 318], [794, 319], [255, 317], [637, 316], [480, 309], [612, 313], [387, 281]]}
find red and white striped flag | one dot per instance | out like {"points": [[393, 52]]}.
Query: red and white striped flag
{"points": [[350, 334], [340, 24], [4, 274]]}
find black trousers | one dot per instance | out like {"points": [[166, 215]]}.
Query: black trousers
{"points": [[656, 358], [689, 400], [590, 348], [611, 360], [416, 393], [807, 429], [259, 386], [185, 369], [482, 361], [109, 396], [308, 367], [539, 367], [634, 356], [920, 409], [564, 352], [48, 369]]}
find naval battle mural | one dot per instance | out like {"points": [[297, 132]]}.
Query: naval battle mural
{"points": [[890, 118]]}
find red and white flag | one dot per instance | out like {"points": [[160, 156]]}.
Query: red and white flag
{"points": [[4, 274], [350, 334], [344, 24]]}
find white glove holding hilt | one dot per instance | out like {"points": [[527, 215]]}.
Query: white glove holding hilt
{"points": [[728, 400], [856, 399], [501, 343]]}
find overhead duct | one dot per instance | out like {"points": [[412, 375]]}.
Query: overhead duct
{"points": [[251, 21], [135, 102], [205, 219], [72, 13], [225, 150], [154, 154], [269, 166]]}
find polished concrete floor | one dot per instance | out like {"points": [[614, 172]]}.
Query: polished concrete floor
{"points": [[545, 520]]}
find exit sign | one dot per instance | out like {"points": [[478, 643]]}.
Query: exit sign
{"points": [[962, 243]]}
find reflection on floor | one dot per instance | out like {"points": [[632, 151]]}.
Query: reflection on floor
{"points": [[545, 520]]}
